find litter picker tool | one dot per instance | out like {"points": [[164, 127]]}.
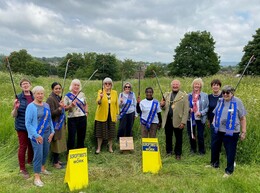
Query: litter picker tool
{"points": [[85, 83], [251, 60], [65, 76], [158, 84], [11, 76]]}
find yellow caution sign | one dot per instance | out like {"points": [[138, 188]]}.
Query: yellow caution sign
{"points": [[77, 169], [151, 155]]}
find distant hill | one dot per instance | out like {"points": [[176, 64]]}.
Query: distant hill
{"points": [[228, 63]]}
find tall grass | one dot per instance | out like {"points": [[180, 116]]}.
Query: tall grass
{"points": [[123, 172]]}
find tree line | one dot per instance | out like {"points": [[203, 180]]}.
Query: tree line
{"points": [[195, 56]]}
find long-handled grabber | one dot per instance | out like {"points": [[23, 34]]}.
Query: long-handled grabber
{"points": [[85, 83], [11, 76], [159, 84], [65, 76], [251, 60]]}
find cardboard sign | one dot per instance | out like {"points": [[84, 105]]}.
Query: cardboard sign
{"points": [[126, 143], [151, 155], [77, 169]]}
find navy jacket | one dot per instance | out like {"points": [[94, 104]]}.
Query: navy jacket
{"points": [[20, 118]]}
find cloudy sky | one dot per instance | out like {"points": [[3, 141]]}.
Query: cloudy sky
{"points": [[141, 30]]}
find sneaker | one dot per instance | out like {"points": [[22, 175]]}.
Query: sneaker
{"points": [[208, 166], [45, 172], [25, 174], [58, 166], [226, 175], [178, 157], [38, 183]]}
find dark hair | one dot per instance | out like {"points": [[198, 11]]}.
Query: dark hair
{"points": [[148, 89], [215, 81], [55, 84]]}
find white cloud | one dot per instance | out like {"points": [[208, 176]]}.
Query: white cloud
{"points": [[139, 30]]}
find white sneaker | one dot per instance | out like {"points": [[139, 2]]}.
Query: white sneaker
{"points": [[226, 175], [235, 164], [38, 183], [45, 172]]}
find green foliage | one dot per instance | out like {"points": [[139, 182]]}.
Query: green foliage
{"points": [[36, 68], [76, 62], [107, 65], [252, 48], [18, 61], [124, 171], [195, 56], [127, 69], [158, 68]]}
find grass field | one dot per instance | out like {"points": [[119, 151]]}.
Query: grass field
{"points": [[123, 172]]}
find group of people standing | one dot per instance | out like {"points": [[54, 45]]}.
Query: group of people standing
{"points": [[224, 112], [42, 126]]}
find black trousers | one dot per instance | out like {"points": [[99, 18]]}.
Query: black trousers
{"points": [[76, 126], [126, 125], [169, 129]]}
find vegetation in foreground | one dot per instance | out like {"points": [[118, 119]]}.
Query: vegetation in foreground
{"points": [[123, 172]]}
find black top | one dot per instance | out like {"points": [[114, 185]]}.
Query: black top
{"points": [[213, 100]]}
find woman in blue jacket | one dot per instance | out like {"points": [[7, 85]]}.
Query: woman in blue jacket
{"points": [[40, 130], [199, 103]]}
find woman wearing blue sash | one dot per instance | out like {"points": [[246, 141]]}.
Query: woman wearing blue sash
{"points": [[150, 114], [40, 130], [127, 104], [76, 104], [58, 144], [229, 122], [199, 103]]}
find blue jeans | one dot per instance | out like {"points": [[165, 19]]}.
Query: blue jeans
{"points": [[40, 152], [230, 144], [200, 136]]}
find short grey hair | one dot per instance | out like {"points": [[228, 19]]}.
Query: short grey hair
{"points": [[107, 80], [75, 81], [37, 89]]}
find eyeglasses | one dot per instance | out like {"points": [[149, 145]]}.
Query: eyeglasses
{"points": [[226, 92], [127, 86], [107, 83]]}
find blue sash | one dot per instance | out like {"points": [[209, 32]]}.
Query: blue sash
{"points": [[231, 116], [147, 123], [58, 125], [127, 105], [44, 122], [79, 103], [192, 114]]}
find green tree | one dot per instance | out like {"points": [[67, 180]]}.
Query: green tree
{"points": [[195, 56], [127, 69], [76, 62], [36, 68], [157, 67], [108, 67], [18, 61], [252, 48]]}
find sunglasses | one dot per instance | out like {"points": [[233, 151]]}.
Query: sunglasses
{"points": [[107, 83], [127, 86], [226, 92]]}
